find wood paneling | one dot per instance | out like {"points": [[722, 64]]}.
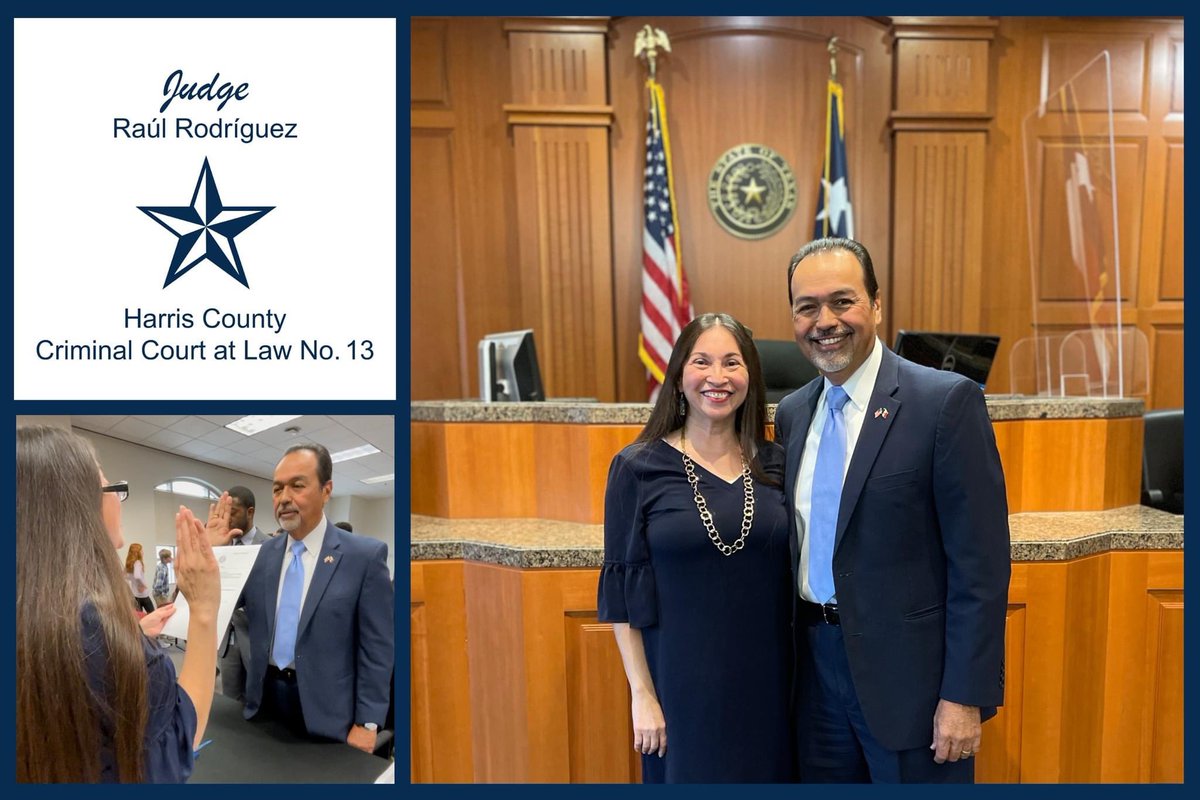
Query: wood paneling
{"points": [[1093, 677], [938, 232], [566, 256], [558, 68], [440, 728], [429, 472], [1170, 276], [429, 81], [941, 76], [1070, 465], [533, 633], [1065, 54], [1168, 366], [600, 733], [436, 271], [730, 81], [463, 252]]}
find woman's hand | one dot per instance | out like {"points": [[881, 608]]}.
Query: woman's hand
{"points": [[154, 622], [649, 726], [197, 573]]}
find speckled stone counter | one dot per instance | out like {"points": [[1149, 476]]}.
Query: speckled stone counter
{"points": [[533, 543], [1007, 407]]}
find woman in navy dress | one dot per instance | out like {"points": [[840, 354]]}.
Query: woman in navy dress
{"points": [[696, 576], [97, 700]]}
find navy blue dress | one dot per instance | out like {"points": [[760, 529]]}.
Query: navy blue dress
{"points": [[171, 723], [716, 628]]}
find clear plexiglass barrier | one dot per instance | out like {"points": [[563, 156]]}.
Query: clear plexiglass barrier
{"points": [[1078, 346]]}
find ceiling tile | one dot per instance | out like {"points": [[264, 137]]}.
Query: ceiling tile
{"points": [[193, 426]]}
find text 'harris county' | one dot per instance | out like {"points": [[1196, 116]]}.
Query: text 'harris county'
{"points": [[212, 318]]}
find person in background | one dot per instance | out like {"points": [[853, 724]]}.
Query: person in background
{"points": [[98, 701], [162, 579], [135, 574], [346, 526], [900, 547], [695, 577], [234, 651]]}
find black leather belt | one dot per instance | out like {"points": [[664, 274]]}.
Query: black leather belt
{"points": [[286, 674], [815, 613]]}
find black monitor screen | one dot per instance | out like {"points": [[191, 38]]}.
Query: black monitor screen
{"points": [[508, 368], [967, 354]]}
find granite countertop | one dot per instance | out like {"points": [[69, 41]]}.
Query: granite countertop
{"points": [[1000, 407], [533, 543]]}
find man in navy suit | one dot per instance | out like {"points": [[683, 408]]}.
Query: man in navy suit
{"points": [[233, 653], [900, 549], [319, 606]]}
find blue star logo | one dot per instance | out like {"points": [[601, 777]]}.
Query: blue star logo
{"points": [[206, 229]]}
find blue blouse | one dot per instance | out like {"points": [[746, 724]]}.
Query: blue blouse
{"points": [[171, 722]]}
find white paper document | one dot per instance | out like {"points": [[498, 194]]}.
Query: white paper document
{"points": [[235, 562]]}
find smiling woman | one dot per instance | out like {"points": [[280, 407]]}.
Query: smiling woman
{"points": [[696, 503]]}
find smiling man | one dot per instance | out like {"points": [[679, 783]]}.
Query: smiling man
{"points": [[319, 605], [900, 548]]}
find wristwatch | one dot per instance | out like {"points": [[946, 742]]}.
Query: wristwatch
{"points": [[371, 726]]}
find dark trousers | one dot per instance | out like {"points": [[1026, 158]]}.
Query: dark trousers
{"points": [[835, 745], [281, 699], [143, 604]]}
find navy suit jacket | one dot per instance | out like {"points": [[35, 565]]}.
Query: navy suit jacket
{"points": [[921, 555], [345, 640]]}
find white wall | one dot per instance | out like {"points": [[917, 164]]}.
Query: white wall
{"points": [[148, 517]]}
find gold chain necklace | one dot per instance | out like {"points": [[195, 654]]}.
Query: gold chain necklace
{"points": [[706, 516]]}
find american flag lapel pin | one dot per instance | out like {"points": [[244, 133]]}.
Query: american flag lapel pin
{"points": [[328, 559], [878, 411], [884, 410]]}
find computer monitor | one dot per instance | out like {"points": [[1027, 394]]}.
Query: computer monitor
{"points": [[969, 354], [508, 368]]}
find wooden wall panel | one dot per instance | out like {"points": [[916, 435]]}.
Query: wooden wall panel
{"points": [[463, 253], [938, 232], [429, 78], [731, 81], [436, 350], [599, 723], [942, 76], [491, 469], [1066, 53], [566, 256], [429, 471], [440, 731], [1170, 276], [1168, 366], [1163, 730]]}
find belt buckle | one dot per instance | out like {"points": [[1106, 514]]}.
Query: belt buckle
{"points": [[825, 611]]}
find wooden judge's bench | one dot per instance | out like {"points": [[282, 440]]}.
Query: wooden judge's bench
{"points": [[514, 679]]}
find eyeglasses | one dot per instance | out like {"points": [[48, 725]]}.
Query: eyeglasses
{"points": [[120, 487]]}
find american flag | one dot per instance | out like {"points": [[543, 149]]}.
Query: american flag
{"points": [[666, 304], [835, 215]]}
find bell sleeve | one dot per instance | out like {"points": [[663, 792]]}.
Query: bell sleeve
{"points": [[626, 592]]}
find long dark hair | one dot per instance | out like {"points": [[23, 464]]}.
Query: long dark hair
{"points": [[750, 420], [61, 535]]}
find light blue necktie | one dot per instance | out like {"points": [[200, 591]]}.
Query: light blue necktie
{"points": [[287, 618], [827, 496]]}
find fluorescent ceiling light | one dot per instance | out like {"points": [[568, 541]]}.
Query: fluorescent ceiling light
{"points": [[354, 452], [380, 478], [256, 423]]}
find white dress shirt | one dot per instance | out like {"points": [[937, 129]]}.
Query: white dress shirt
{"points": [[308, 558], [858, 387]]}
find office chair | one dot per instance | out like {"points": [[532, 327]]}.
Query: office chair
{"points": [[1162, 460], [784, 368]]}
